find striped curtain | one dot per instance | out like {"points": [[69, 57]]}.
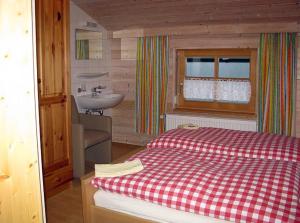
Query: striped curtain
{"points": [[277, 83], [151, 84]]}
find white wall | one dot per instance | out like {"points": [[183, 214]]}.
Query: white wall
{"points": [[77, 19]]}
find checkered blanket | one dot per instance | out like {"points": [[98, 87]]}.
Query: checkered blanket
{"points": [[231, 142], [232, 188]]}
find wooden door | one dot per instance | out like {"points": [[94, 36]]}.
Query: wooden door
{"points": [[54, 91]]}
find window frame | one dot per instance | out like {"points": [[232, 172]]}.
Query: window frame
{"points": [[215, 106]]}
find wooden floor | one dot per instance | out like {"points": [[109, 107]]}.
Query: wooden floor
{"points": [[65, 207]]}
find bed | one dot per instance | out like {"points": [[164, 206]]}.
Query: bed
{"points": [[217, 175]]}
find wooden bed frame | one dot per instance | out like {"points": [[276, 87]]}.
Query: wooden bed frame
{"points": [[94, 214]]}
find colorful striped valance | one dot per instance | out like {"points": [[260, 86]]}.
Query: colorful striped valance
{"points": [[277, 83], [151, 84]]}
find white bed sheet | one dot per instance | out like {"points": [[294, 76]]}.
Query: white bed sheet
{"points": [[148, 210]]}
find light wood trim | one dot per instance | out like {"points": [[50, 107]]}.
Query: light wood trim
{"points": [[58, 189], [49, 170], [219, 29], [68, 84], [39, 41], [53, 100], [215, 106], [99, 214], [90, 214], [87, 197], [67, 67]]}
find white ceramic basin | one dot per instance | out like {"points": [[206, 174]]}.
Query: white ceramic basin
{"points": [[100, 101]]}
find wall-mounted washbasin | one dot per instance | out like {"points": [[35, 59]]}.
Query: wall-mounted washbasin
{"points": [[99, 101]]}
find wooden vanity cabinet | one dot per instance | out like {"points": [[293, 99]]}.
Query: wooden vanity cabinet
{"points": [[52, 29]]}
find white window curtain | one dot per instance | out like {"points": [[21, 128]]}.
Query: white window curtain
{"points": [[233, 91], [198, 90]]}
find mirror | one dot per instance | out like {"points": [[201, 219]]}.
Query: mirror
{"points": [[88, 45]]}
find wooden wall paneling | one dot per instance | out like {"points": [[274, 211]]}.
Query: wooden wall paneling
{"points": [[119, 73], [215, 42], [123, 81], [126, 87], [123, 77], [123, 117], [252, 28], [21, 193], [128, 48], [123, 70], [119, 63], [181, 37], [115, 49], [128, 33], [123, 73]]}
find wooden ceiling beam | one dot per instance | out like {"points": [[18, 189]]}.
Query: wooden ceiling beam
{"points": [[175, 10], [140, 4], [111, 11], [211, 29], [279, 11]]}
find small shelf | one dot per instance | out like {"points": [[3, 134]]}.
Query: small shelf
{"points": [[91, 75]]}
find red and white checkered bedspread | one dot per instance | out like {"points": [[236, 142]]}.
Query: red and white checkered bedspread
{"points": [[233, 188], [231, 142]]}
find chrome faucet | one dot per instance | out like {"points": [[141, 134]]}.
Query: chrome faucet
{"points": [[96, 90], [82, 88], [101, 87]]}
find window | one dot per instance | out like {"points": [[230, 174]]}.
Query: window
{"points": [[221, 80]]}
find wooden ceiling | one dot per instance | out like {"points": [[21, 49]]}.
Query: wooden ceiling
{"points": [[129, 14]]}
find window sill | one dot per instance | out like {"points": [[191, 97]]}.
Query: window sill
{"points": [[213, 114]]}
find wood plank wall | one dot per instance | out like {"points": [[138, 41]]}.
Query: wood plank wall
{"points": [[21, 193], [123, 51], [123, 81]]}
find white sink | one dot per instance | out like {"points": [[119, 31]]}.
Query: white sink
{"points": [[100, 101]]}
